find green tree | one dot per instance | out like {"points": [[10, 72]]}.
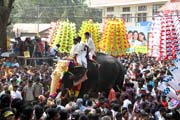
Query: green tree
{"points": [[45, 11], [5, 10]]}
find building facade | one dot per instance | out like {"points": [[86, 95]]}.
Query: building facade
{"points": [[132, 11]]}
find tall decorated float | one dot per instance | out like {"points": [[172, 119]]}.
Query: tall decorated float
{"points": [[114, 38], [63, 33], [93, 29], [165, 45]]}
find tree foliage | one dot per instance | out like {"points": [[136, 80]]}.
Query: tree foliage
{"points": [[45, 11]]}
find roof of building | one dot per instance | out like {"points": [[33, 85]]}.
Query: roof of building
{"points": [[30, 28], [108, 3], [171, 6]]}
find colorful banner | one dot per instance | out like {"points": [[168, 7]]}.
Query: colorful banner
{"points": [[137, 49], [138, 37]]}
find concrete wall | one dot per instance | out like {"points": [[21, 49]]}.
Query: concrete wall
{"points": [[134, 11]]}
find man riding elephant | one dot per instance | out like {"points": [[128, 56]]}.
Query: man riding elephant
{"points": [[109, 73], [79, 52], [90, 46]]}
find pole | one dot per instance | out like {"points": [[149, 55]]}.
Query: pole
{"points": [[38, 16]]}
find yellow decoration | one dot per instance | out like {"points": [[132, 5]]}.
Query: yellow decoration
{"points": [[93, 29], [26, 54], [8, 43], [61, 67], [114, 38], [64, 34]]}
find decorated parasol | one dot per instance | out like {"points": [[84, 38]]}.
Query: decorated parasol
{"points": [[165, 41], [114, 38], [93, 29], [164, 45], [63, 33]]}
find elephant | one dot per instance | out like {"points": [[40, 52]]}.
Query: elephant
{"points": [[110, 73]]}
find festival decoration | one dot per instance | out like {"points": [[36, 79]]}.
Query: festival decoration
{"points": [[114, 38], [170, 86], [165, 36], [64, 34], [61, 67], [53, 27], [93, 29]]}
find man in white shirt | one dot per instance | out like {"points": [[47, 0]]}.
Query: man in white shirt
{"points": [[79, 52], [126, 102], [90, 45], [54, 50], [15, 93], [28, 92], [74, 49]]}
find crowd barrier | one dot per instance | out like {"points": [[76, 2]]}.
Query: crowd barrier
{"points": [[33, 60]]}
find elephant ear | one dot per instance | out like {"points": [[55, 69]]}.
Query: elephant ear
{"points": [[74, 77], [67, 79]]}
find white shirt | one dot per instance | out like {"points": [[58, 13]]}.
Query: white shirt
{"points": [[138, 43], [90, 44], [16, 65], [126, 102], [159, 116], [16, 94], [74, 50], [53, 50], [28, 93]]}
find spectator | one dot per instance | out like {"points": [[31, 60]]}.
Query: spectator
{"points": [[7, 114], [15, 93], [27, 113], [37, 88], [28, 92], [52, 114], [54, 50]]}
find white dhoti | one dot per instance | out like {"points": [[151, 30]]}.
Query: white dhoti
{"points": [[91, 54], [81, 59]]}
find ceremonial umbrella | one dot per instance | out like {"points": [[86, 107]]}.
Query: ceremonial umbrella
{"points": [[8, 54]]}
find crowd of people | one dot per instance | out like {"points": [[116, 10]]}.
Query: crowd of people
{"points": [[24, 90], [24, 94]]}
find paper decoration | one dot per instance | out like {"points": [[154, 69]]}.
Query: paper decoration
{"points": [[172, 104], [175, 70], [114, 38], [93, 29], [27, 54], [53, 27], [168, 91], [164, 43], [175, 84]]}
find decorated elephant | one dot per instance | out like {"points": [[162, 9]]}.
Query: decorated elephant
{"points": [[100, 77]]}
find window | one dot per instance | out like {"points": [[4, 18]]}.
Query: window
{"points": [[110, 9], [141, 17], [155, 9], [142, 8], [127, 17], [110, 16], [126, 9]]}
